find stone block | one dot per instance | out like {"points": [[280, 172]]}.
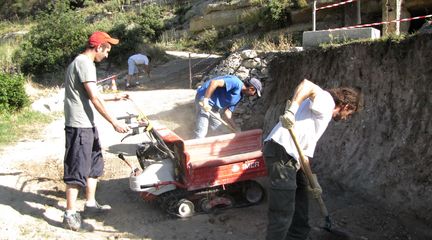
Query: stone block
{"points": [[315, 38]]}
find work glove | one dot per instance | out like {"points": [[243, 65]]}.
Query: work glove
{"points": [[317, 191], [288, 118], [204, 103]]}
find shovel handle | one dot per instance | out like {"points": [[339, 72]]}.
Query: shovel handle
{"points": [[308, 172], [222, 121]]}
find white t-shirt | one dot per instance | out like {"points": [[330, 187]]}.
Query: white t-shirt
{"points": [[312, 119], [139, 59]]}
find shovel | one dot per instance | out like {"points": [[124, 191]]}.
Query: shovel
{"points": [[217, 117], [314, 184], [222, 121]]}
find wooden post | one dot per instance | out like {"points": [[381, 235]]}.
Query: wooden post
{"points": [[314, 15], [391, 10], [359, 21], [190, 72]]}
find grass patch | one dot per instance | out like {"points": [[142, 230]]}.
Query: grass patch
{"points": [[7, 50], [396, 39], [8, 27], [24, 124], [266, 43]]}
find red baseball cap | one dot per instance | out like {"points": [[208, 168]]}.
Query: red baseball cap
{"points": [[97, 38]]}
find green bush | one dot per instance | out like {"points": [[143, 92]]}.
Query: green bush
{"points": [[21, 9], [12, 92], [207, 40], [277, 12], [58, 36], [136, 31], [150, 22]]}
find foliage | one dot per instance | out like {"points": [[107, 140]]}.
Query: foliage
{"points": [[276, 14], [21, 9], [61, 33], [58, 36], [150, 22], [7, 49], [208, 39], [280, 42], [115, 5], [9, 26], [390, 40], [181, 10], [12, 92], [135, 31], [74, 4]]}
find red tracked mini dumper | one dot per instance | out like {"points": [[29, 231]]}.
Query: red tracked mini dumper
{"points": [[199, 175]]}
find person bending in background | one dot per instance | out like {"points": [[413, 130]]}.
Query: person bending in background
{"points": [[221, 95], [83, 160], [309, 114], [135, 62]]}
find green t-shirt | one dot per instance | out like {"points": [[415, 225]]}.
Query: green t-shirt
{"points": [[78, 111]]}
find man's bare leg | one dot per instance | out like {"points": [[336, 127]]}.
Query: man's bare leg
{"points": [[92, 206], [91, 191], [72, 218], [71, 197]]}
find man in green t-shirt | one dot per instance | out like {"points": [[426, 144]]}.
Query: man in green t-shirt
{"points": [[83, 161]]}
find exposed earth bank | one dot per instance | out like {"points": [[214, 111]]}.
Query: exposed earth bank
{"points": [[32, 192], [384, 153]]}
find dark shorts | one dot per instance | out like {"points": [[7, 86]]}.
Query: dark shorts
{"points": [[83, 155]]}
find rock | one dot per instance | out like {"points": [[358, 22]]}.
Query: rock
{"points": [[231, 5], [251, 63], [249, 54]]}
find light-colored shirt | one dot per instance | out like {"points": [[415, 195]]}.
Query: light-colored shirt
{"points": [[139, 59], [78, 111], [312, 119]]}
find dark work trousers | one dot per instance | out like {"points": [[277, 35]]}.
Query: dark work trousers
{"points": [[288, 213]]}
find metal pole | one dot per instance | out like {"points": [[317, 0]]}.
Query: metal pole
{"points": [[190, 72], [358, 12], [314, 15]]}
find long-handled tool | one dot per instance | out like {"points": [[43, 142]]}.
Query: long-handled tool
{"points": [[313, 183], [217, 117], [152, 132], [222, 121]]}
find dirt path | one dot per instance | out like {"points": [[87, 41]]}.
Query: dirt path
{"points": [[32, 192]]}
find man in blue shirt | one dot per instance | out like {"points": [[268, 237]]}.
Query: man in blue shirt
{"points": [[221, 95]]}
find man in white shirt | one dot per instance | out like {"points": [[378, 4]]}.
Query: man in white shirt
{"points": [[135, 62], [309, 114]]}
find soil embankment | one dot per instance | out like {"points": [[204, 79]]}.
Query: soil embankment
{"points": [[384, 152]]}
